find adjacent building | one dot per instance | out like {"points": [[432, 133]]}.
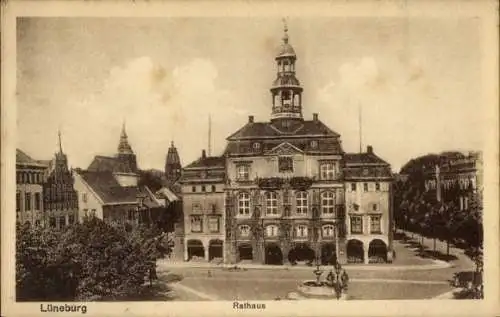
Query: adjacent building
{"points": [[30, 175], [280, 191], [203, 188], [457, 178], [109, 189]]}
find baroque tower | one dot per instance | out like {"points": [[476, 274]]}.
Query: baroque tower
{"points": [[125, 153], [172, 165], [286, 90]]}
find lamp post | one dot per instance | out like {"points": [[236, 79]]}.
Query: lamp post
{"points": [[338, 280]]}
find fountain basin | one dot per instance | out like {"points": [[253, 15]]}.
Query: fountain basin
{"points": [[313, 290]]}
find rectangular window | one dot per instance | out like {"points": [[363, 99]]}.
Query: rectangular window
{"points": [[353, 187], [27, 203], [203, 188], [356, 224], [285, 164], [18, 201], [375, 226], [375, 207], [62, 222], [377, 186], [85, 212], [52, 222], [193, 189], [37, 223], [243, 172], [213, 188], [71, 219], [84, 197], [213, 224], [327, 171], [93, 213], [37, 201], [196, 224], [365, 187]]}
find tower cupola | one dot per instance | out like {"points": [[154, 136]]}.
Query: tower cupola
{"points": [[286, 90]]}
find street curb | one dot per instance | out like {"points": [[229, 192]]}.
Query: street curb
{"points": [[438, 264]]}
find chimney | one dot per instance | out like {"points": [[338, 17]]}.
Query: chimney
{"points": [[250, 119], [315, 116], [369, 149], [203, 154]]}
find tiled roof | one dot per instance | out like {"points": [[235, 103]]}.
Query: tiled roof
{"points": [[363, 158], [108, 164], [109, 190], [24, 159], [255, 130], [209, 161], [329, 145]]}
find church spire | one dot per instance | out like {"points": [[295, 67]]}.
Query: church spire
{"points": [[60, 143], [172, 164], [286, 90], [124, 147]]}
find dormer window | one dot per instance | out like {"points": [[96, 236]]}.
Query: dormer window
{"points": [[256, 146], [314, 144]]}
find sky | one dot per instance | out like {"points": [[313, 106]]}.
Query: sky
{"points": [[417, 81]]}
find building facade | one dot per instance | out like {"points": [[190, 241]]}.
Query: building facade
{"points": [[457, 179], [284, 187], [202, 186], [59, 195], [30, 175]]}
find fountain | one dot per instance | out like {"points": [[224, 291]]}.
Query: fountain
{"points": [[334, 287]]}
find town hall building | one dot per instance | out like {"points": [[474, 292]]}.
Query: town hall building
{"points": [[284, 191]]}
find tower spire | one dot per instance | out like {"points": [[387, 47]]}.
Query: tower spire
{"points": [[285, 29], [60, 142], [124, 147]]}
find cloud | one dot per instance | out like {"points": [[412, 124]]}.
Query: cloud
{"points": [[159, 104]]}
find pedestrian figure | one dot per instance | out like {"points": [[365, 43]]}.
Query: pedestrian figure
{"points": [[209, 273], [152, 273]]}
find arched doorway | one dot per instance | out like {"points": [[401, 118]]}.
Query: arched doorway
{"points": [[377, 251], [355, 252], [328, 254], [245, 252], [215, 249], [273, 254], [301, 253], [195, 249]]}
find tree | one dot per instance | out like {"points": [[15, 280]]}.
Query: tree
{"points": [[91, 261]]}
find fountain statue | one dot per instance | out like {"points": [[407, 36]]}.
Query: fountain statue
{"points": [[334, 287]]}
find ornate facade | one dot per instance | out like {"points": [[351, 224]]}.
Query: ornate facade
{"points": [[60, 197], [284, 187]]}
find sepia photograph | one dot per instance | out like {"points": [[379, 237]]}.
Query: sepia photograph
{"points": [[254, 160]]}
